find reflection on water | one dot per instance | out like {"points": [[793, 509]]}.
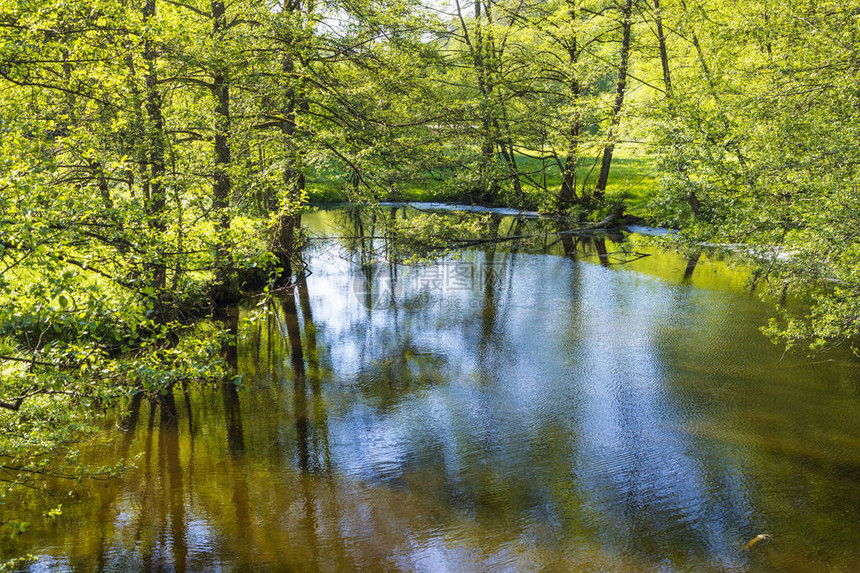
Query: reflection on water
{"points": [[563, 405]]}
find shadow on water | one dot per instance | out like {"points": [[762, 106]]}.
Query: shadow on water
{"points": [[573, 402]]}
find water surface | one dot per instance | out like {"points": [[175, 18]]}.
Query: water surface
{"points": [[565, 405]]}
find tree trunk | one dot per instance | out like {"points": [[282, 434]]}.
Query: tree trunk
{"points": [[485, 89], [221, 178], [699, 53], [620, 89], [568, 175], [502, 127], [289, 219], [692, 199], [155, 196], [664, 54]]}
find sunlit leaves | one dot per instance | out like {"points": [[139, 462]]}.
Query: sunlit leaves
{"points": [[767, 140]]}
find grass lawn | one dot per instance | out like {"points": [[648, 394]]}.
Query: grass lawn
{"points": [[631, 178]]}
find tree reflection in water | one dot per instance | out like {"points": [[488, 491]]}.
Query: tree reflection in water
{"points": [[570, 409]]}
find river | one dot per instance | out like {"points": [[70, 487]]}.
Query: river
{"points": [[574, 403]]}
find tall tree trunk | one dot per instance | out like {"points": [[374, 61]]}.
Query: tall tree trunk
{"points": [[221, 177], [155, 195], [699, 53], [568, 174], [289, 219], [664, 54], [501, 125], [692, 199], [473, 37], [485, 89], [620, 89]]}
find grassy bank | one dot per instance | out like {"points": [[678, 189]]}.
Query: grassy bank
{"points": [[632, 178]]}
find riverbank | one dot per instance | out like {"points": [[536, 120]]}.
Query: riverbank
{"points": [[632, 179]]}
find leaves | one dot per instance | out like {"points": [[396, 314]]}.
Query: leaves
{"points": [[767, 142]]}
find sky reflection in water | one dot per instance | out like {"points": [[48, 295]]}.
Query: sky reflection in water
{"points": [[507, 410]]}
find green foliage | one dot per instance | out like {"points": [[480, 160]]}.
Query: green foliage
{"points": [[155, 159], [762, 133]]}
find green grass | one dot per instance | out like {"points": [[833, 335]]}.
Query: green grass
{"points": [[631, 178]]}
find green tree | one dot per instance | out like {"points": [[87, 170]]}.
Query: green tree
{"points": [[761, 131]]}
